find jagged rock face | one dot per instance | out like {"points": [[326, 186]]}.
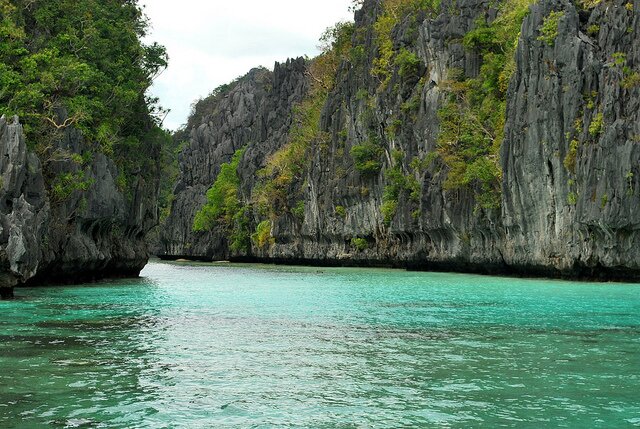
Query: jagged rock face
{"points": [[256, 114], [554, 219], [447, 231], [86, 235], [586, 220], [24, 209]]}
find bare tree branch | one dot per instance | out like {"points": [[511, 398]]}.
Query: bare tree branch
{"points": [[67, 122]]}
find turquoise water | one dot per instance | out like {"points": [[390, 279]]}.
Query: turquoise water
{"points": [[251, 346]]}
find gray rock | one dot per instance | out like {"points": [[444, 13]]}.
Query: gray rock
{"points": [[256, 114], [90, 234], [551, 221], [24, 209], [584, 222]]}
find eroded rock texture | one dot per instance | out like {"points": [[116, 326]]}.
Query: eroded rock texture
{"points": [[555, 218], [69, 236], [24, 209], [255, 114], [584, 221]]}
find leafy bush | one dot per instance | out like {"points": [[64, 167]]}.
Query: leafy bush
{"points": [[262, 236], [64, 185], [421, 164], [628, 177], [570, 160], [223, 202], [483, 172], [239, 241], [604, 200], [367, 157], [596, 125], [589, 4], [631, 80], [619, 58], [412, 105], [362, 94], [359, 243], [473, 116], [340, 211], [549, 28], [408, 63], [593, 30], [388, 210], [298, 210], [482, 36], [396, 184], [468, 143]]}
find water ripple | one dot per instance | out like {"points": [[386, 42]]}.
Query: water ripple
{"points": [[250, 346]]}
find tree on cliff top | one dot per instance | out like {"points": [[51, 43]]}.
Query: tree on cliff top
{"points": [[78, 63]]}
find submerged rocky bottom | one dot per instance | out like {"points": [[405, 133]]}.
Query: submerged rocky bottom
{"points": [[220, 345]]}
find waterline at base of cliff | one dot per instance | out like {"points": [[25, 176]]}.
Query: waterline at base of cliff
{"points": [[410, 149], [577, 272]]}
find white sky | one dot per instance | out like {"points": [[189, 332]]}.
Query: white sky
{"points": [[213, 42]]}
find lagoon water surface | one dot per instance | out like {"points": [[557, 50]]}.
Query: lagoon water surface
{"points": [[253, 346]]}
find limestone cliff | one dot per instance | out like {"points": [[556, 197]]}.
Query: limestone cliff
{"points": [[559, 194], [80, 138], [256, 113], [52, 230]]}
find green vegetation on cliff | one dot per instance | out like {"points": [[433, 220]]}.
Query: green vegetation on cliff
{"points": [[473, 115], [262, 237], [472, 119], [549, 28], [393, 11], [80, 64], [286, 166], [224, 207], [398, 183], [367, 157]]}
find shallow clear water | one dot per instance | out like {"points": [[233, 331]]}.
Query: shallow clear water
{"points": [[251, 346]]}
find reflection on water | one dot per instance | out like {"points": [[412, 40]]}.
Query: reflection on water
{"points": [[253, 346]]}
